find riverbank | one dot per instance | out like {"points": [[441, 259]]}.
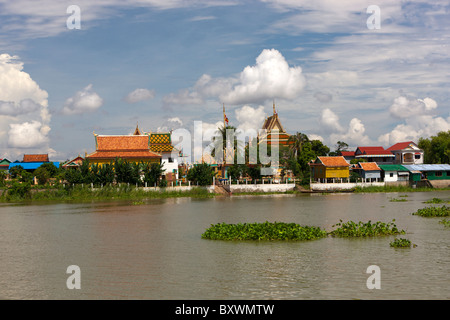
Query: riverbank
{"points": [[79, 193], [125, 192]]}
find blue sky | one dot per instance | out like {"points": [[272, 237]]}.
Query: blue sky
{"points": [[166, 64]]}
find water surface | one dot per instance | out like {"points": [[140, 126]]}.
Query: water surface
{"points": [[155, 251]]}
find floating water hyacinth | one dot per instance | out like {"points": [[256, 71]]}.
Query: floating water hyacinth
{"points": [[263, 231], [368, 229], [443, 211], [402, 243]]}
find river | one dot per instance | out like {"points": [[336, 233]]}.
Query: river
{"points": [[154, 250]]}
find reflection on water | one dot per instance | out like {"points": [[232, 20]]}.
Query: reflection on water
{"points": [[155, 250]]}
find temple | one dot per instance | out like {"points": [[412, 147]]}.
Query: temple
{"points": [[137, 147], [273, 130], [133, 148]]}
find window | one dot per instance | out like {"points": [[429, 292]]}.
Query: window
{"points": [[170, 160], [417, 156], [438, 174], [391, 174]]}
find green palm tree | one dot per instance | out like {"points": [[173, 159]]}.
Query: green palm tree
{"points": [[220, 142], [296, 143]]}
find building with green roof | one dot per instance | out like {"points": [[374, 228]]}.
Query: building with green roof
{"points": [[394, 173]]}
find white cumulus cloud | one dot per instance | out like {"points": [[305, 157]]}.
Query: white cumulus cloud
{"points": [[84, 101], [170, 124], [24, 110], [139, 95], [28, 135], [26, 106], [17, 85], [417, 120], [353, 134], [271, 77], [250, 118], [405, 107]]}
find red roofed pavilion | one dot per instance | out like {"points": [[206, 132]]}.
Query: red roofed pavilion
{"points": [[133, 148]]}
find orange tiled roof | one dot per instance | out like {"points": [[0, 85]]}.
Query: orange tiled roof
{"points": [[134, 142], [369, 166], [125, 147], [338, 161], [35, 158], [123, 154]]}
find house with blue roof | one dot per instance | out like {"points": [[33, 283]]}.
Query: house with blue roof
{"points": [[438, 175], [31, 162]]}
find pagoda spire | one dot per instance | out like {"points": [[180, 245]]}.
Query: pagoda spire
{"points": [[137, 132], [274, 111]]}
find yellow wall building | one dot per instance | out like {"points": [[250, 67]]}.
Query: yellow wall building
{"points": [[329, 168]]}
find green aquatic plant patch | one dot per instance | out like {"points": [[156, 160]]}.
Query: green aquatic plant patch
{"points": [[367, 229], [443, 211], [263, 231], [445, 222], [435, 200], [397, 200], [402, 243]]}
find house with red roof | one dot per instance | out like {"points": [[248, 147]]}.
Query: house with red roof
{"points": [[348, 155], [374, 154], [407, 153]]}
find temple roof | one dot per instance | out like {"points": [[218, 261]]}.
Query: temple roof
{"points": [[161, 142], [124, 154], [123, 146], [133, 142], [137, 132], [273, 122]]}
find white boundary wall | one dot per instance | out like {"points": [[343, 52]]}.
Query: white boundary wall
{"points": [[343, 186], [282, 187]]}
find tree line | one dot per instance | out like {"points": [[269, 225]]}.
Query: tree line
{"points": [[294, 157]]}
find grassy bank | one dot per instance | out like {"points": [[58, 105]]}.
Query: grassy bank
{"points": [[79, 193], [264, 193], [395, 189]]}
